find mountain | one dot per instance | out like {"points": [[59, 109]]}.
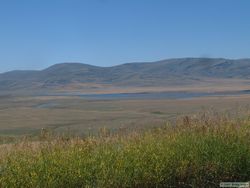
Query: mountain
{"points": [[168, 72]]}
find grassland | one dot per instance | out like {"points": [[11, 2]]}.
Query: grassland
{"points": [[28, 115], [67, 141], [196, 151]]}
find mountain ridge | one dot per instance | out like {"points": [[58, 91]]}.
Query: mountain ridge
{"points": [[176, 71]]}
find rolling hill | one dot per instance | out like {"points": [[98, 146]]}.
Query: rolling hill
{"points": [[182, 71]]}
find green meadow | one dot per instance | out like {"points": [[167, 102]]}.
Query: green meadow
{"points": [[194, 151]]}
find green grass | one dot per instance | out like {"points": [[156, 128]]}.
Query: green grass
{"points": [[194, 152]]}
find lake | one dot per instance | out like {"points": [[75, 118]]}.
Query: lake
{"points": [[155, 95]]}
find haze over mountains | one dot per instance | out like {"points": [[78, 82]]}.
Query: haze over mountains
{"points": [[182, 71]]}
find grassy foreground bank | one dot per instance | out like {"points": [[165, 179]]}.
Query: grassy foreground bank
{"points": [[194, 152]]}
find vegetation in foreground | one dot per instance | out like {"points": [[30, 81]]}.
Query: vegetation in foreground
{"points": [[194, 152]]}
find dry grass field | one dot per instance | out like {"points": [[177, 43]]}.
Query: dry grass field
{"points": [[75, 141], [28, 115]]}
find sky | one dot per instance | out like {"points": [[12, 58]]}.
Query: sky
{"points": [[35, 34]]}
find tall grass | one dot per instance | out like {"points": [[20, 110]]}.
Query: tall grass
{"points": [[194, 152]]}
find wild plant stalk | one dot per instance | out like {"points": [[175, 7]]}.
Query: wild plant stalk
{"points": [[195, 152]]}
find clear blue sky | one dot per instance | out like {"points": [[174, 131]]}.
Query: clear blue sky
{"points": [[37, 33]]}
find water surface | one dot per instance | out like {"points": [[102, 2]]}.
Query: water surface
{"points": [[156, 95]]}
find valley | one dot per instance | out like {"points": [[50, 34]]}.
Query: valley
{"points": [[77, 115]]}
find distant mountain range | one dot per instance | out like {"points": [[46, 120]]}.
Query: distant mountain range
{"points": [[160, 73]]}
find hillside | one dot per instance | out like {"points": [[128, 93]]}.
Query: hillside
{"points": [[183, 71]]}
